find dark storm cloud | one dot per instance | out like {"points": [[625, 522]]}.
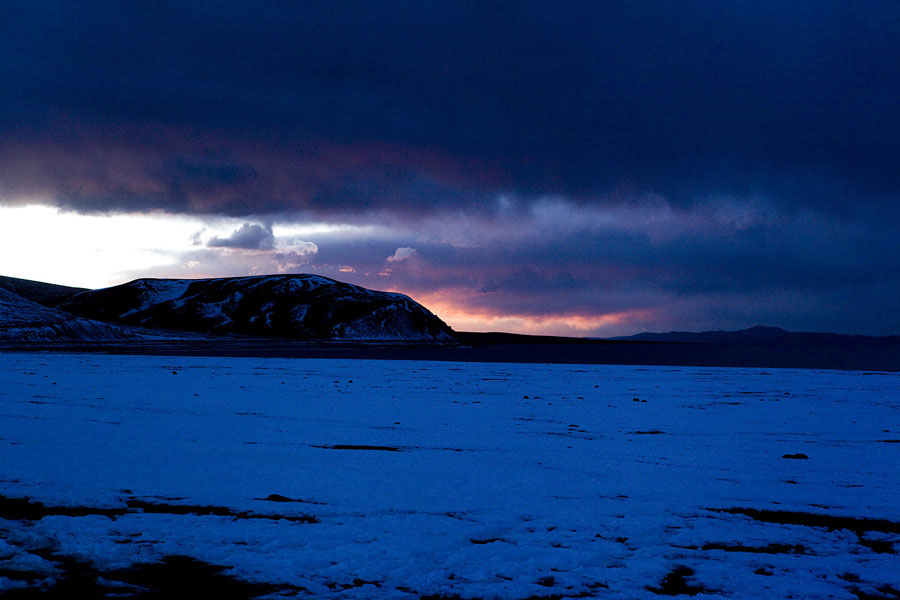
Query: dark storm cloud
{"points": [[206, 176], [247, 237], [793, 100]]}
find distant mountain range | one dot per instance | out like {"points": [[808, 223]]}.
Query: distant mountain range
{"points": [[291, 307], [758, 335]]}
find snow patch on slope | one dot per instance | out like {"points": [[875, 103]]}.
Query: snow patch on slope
{"points": [[157, 291]]}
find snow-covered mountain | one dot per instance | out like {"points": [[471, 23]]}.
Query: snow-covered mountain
{"points": [[286, 306], [22, 320]]}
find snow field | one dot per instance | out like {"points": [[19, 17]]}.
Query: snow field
{"points": [[455, 479]]}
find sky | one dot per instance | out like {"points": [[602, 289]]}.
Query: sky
{"points": [[575, 168]]}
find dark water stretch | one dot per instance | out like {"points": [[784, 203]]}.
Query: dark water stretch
{"points": [[527, 349]]}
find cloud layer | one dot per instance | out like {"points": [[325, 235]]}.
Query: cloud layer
{"points": [[573, 166]]}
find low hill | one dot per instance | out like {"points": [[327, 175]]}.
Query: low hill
{"points": [[47, 294], [284, 306], [23, 320]]}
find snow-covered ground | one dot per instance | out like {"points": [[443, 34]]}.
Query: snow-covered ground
{"points": [[456, 479]]}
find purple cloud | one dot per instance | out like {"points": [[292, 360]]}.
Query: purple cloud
{"points": [[247, 237]]}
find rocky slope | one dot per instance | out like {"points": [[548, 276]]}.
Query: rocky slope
{"points": [[22, 320], [285, 306]]}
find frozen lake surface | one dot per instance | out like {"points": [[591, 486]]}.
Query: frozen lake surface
{"points": [[405, 479]]}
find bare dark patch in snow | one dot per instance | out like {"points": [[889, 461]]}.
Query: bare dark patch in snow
{"points": [[217, 511], [174, 577], [349, 586], [280, 498], [829, 522], [882, 592], [879, 546], [675, 584], [357, 447], [25, 509], [768, 549], [18, 575]]}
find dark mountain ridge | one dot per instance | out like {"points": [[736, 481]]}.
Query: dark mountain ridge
{"points": [[759, 335], [23, 320], [38, 291], [307, 307]]}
